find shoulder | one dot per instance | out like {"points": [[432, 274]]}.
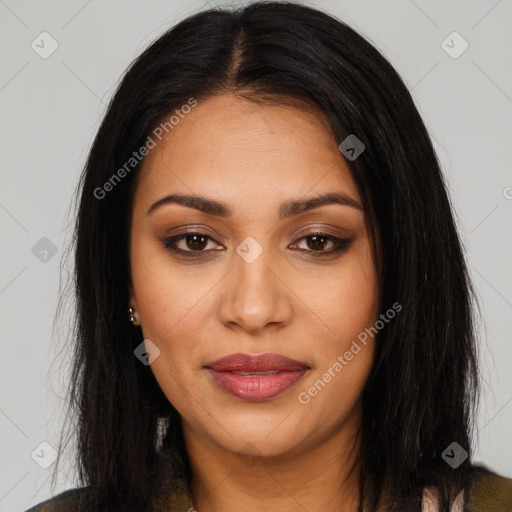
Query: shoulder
{"points": [[488, 491], [65, 501]]}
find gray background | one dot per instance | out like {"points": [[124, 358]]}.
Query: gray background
{"points": [[51, 109]]}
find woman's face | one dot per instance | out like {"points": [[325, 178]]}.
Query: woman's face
{"points": [[254, 279]]}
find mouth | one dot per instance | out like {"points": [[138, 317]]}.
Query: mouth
{"points": [[256, 377]]}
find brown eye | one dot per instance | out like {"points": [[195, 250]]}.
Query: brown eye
{"points": [[193, 244], [317, 242], [196, 242]]}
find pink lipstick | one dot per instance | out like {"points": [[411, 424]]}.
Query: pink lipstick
{"points": [[256, 377]]}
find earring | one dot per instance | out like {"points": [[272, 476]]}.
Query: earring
{"points": [[132, 318]]}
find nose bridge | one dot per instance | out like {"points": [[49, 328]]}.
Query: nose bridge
{"points": [[256, 297]]}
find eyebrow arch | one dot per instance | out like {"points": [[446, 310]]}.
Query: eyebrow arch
{"points": [[287, 209]]}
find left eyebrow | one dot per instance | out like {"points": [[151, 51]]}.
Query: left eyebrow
{"points": [[295, 207], [287, 209]]}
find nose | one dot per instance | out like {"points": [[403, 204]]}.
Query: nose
{"points": [[255, 297]]}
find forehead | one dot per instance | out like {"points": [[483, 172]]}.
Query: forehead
{"points": [[231, 146]]}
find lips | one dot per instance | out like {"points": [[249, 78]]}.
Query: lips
{"points": [[257, 377], [256, 363]]}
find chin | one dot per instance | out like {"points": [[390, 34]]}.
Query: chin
{"points": [[248, 441]]}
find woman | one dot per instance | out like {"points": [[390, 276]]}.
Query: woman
{"points": [[273, 307]]}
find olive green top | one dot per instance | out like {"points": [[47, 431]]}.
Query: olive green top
{"points": [[488, 492]]}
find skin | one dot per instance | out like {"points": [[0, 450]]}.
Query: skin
{"points": [[278, 454]]}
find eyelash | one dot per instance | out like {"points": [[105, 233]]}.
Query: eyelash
{"points": [[341, 244]]}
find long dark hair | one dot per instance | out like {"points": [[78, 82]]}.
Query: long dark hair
{"points": [[422, 392]]}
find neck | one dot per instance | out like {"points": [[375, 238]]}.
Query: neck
{"points": [[312, 477]]}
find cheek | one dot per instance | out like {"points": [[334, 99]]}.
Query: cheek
{"points": [[170, 317], [349, 306], [167, 295], [349, 300], [171, 302]]}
